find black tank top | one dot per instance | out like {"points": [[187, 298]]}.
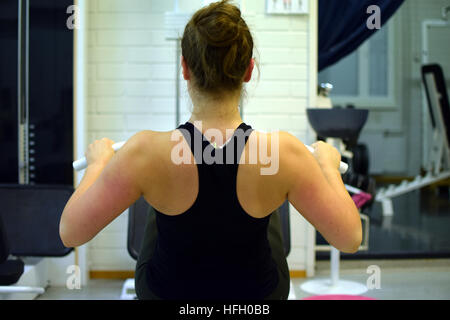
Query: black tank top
{"points": [[214, 250]]}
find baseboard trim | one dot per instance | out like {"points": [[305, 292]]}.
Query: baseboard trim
{"points": [[297, 273], [122, 275], [108, 274], [400, 179]]}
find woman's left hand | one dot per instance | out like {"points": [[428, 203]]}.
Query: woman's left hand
{"points": [[100, 152]]}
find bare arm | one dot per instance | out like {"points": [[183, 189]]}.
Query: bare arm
{"points": [[108, 188], [317, 191]]}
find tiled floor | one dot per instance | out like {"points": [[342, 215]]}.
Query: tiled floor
{"points": [[399, 279]]}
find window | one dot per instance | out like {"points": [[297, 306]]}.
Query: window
{"points": [[365, 78]]}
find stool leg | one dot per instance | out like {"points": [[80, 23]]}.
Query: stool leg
{"points": [[335, 255], [388, 209]]}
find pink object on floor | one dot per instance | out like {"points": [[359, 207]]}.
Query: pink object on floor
{"points": [[338, 297], [361, 199]]}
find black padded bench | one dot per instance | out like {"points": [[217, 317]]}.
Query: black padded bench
{"points": [[140, 211], [29, 227], [141, 215]]}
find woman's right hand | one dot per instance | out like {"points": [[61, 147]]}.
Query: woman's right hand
{"points": [[326, 155]]}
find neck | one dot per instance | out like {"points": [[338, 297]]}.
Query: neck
{"points": [[220, 114]]}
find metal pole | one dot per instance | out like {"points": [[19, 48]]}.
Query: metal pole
{"points": [[80, 112], [334, 266], [23, 111], [177, 79], [14, 289]]}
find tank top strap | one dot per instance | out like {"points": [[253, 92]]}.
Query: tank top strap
{"points": [[206, 153], [194, 139], [236, 145]]}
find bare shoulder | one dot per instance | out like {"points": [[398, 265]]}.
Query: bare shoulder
{"points": [[147, 152], [293, 148], [287, 143], [143, 147], [147, 140], [292, 152], [282, 146], [144, 136], [291, 143]]}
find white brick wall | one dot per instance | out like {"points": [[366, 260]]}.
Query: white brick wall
{"points": [[132, 88]]}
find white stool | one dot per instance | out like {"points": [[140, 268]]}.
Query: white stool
{"points": [[128, 290], [334, 285]]}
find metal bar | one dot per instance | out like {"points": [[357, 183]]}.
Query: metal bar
{"points": [[392, 192], [80, 110], [365, 244], [177, 79], [334, 266], [14, 289], [322, 247], [23, 91], [352, 189]]}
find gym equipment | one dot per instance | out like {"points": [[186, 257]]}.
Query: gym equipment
{"points": [[11, 269], [29, 227], [81, 163], [363, 182], [175, 23], [428, 26], [323, 94], [341, 128], [360, 160], [438, 167], [138, 215], [36, 116], [361, 199], [339, 123], [141, 213], [335, 286], [343, 167]]}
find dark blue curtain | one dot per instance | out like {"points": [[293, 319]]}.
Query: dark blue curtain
{"points": [[343, 26]]}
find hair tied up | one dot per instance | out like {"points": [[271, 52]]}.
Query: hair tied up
{"points": [[217, 46]]}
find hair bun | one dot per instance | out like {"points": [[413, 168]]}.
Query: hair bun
{"points": [[217, 46], [219, 30]]}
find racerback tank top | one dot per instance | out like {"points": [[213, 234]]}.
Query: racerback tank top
{"points": [[214, 250]]}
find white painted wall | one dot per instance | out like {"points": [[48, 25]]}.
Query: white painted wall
{"points": [[131, 87]]}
